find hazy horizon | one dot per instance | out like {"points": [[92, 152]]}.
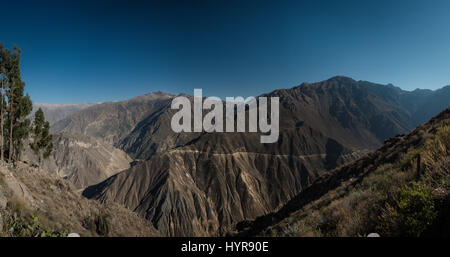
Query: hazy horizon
{"points": [[223, 98]]}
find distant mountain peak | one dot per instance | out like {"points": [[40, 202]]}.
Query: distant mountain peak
{"points": [[158, 93], [342, 79]]}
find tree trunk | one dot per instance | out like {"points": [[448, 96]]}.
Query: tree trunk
{"points": [[11, 117], [418, 171], [1, 126]]}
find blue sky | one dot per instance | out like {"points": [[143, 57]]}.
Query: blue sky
{"points": [[94, 51]]}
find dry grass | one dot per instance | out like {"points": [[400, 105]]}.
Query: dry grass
{"points": [[58, 207], [394, 200]]}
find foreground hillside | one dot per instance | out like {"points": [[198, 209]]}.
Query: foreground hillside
{"points": [[402, 189], [40, 203]]}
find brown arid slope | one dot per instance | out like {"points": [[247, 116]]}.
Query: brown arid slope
{"points": [[357, 115], [39, 203], [81, 159], [402, 189], [112, 121], [55, 112], [188, 192]]}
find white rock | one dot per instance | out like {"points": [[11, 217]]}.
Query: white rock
{"points": [[373, 235], [73, 235]]}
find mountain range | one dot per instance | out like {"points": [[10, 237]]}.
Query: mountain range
{"points": [[203, 184], [56, 112]]}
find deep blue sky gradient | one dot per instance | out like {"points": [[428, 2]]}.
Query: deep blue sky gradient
{"points": [[94, 51]]}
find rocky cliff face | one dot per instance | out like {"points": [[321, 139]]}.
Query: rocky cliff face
{"points": [[192, 193], [112, 121], [81, 159]]}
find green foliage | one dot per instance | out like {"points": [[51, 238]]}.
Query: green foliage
{"points": [[14, 109], [22, 222], [407, 160], [415, 208], [380, 180], [30, 227], [392, 200], [42, 139]]}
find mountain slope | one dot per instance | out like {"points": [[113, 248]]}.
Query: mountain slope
{"points": [[357, 114], [430, 104], [111, 121], [55, 112], [402, 189], [81, 159], [37, 202], [187, 191]]}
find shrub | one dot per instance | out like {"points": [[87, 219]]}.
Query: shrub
{"points": [[30, 227], [23, 222], [407, 161], [102, 225], [416, 209], [16, 205]]}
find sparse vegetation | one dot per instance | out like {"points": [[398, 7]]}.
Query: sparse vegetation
{"points": [[50, 207], [415, 209], [394, 200], [407, 161], [23, 222], [102, 224], [29, 226]]}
